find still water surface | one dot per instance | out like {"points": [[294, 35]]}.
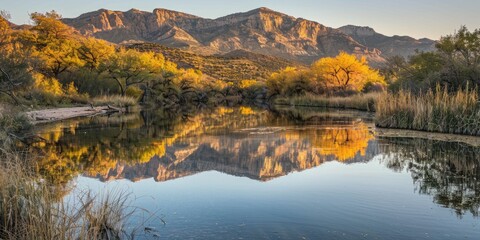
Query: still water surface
{"points": [[245, 173]]}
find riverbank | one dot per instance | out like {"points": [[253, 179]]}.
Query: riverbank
{"points": [[59, 114], [435, 136], [362, 102]]}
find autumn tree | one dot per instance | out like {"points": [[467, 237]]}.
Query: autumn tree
{"points": [[53, 44], [5, 30], [14, 69], [345, 71], [130, 67], [14, 75], [93, 51], [289, 81]]}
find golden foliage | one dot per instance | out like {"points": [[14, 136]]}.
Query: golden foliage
{"points": [[48, 85], [345, 71], [344, 143], [94, 51]]}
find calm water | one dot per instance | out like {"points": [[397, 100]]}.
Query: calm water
{"points": [[243, 173]]}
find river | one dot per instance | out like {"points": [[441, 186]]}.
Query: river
{"points": [[253, 173]]}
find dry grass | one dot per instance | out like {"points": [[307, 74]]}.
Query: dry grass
{"points": [[114, 100], [31, 209], [364, 102], [437, 111]]}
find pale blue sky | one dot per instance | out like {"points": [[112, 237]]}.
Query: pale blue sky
{"points": [[418, 18]]}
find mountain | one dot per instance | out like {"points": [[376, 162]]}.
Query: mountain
{"points": [[261, 157], [389, 46], [261, 30], [232, 66]]}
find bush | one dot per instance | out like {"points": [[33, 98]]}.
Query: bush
{"points": [[134, 92], [11, 122]]}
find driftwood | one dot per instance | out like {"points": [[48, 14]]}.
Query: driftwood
{"points": [[59, 114], [115, 109]]}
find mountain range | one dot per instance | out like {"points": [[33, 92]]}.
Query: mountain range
{"points": [[261, 31]]}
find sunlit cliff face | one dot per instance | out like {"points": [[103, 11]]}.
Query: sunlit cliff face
{"points": [[238, 141]]}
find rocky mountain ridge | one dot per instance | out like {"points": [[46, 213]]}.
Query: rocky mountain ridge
{"points": [[260, 30]]}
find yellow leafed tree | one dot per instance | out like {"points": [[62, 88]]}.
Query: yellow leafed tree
{"points": [[346, 71]]}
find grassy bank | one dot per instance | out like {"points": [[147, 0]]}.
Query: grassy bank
{"points": [[438, 111], [363, 102]]}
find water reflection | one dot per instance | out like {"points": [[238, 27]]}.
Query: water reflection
{"points": [[449, 172], [254, 143]]}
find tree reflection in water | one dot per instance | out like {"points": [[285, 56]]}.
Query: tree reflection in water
{"points": [[449, 172], [255, 143]]}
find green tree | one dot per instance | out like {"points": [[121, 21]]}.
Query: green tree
{"points": [[461, 52]]}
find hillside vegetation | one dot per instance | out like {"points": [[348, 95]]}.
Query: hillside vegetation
{"points": [[233, 66]]}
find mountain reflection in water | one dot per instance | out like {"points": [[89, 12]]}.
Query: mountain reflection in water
{"points": [[254, 143]]}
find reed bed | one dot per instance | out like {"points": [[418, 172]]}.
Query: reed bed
{"points": [[434, 111], [363, 102]]}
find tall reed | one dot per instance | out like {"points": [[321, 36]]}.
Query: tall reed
{"points": [[434, 111]]}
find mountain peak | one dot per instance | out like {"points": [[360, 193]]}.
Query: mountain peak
{"points": [[358, 30], [264, 9], [172, 13], [135, 10]]}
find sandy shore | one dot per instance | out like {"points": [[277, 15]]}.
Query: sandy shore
{"points": [[58, 114]]}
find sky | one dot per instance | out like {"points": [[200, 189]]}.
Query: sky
{"points": [[416, 18]]}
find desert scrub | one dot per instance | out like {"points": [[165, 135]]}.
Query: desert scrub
{"points": [[114, 100], [364, 102], [434, 111]]}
